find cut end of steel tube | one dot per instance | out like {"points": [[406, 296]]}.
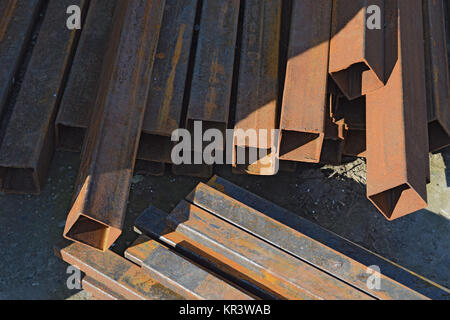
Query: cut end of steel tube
{"points": [[301, 146], [263, 166], [398, 201], [90, 232], [19, 181], [357, 80]]}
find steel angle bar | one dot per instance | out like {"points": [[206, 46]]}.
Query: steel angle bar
{"points": [[83, 83], [99, 290], [257, 92], [152, 222], [110, 148], [305, 93], [437, 75], [17, 18], [296, 243], [179, 274], [296, 277], [28, 144], [397, 133], [214, 64], [165, 102], [357, 51], [115, 272], [333, 241]]}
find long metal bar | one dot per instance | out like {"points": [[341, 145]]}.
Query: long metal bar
{"points": [[152, 222], [179, 274], [165, 102], [297, 244], [17, 19], [397, 133], [110, 148], [331, 240], [115, 272], [356, 48], [28, 144], [304, 103], [99, 290], [213, 72], [437, 75], [83, 83], [290, 273], [257, 93]]}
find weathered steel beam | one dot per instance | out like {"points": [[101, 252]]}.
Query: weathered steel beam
{"points": [[213, 71], [179, 274], [110, 148], [356, 51], [351, 112], [115, 272], [297, 243], [397, 133], [257, 92], [437, 75], [17, 18], [333, 241], [165, 102], [152, 222], [152, 168], [305, 94], [83, 83], [28, 144], [295, 276], [99, 290]]}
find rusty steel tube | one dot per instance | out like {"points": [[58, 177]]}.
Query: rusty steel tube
{"points": [[110, 149], [356, 51], [397, 135], [304, 102]]}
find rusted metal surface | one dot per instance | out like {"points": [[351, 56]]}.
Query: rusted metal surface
{"points": [[99, 290], [293, 276], [257, 93], [109, 152], [333, 241], [297, 244], [304, 104], [352, 113], [179, 274], [83, 83], [397, 133], [213, 72], [17, 18], [165, 101], [356, 51], [28, 144], [152, 222], [437, 75], [115, 272]]}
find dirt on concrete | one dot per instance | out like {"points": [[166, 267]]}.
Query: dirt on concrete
{"points": [[333, 197]]}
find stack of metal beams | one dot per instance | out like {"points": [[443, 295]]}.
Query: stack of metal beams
{"points": [[138, 70], [223, 242]]}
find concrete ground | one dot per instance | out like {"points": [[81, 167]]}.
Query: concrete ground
{"points": [[333, 197]]}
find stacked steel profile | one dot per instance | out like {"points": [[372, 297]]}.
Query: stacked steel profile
{"points": [[223, 242], [320, 71]]}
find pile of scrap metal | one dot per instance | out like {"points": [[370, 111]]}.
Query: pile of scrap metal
{"points": [[321, 72], [223, 242]]}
